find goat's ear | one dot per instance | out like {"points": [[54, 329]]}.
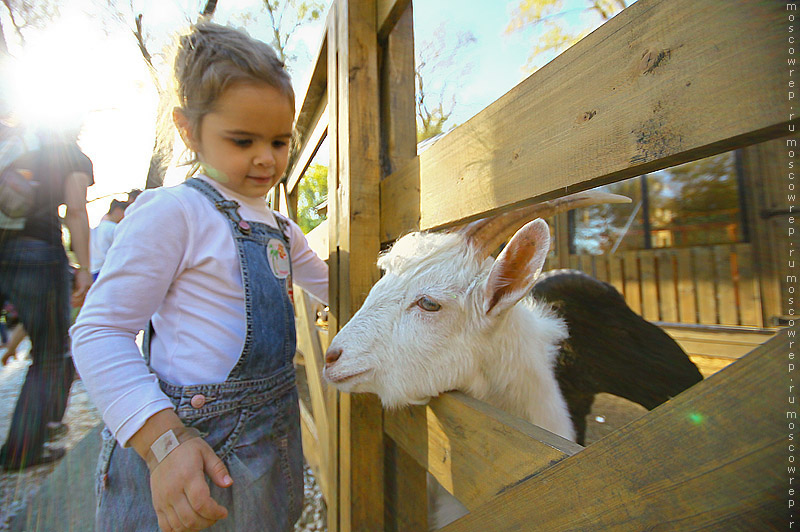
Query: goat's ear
{"points": [[517, 267]]}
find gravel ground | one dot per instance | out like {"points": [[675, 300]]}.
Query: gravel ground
{"points": [[17, 489]]}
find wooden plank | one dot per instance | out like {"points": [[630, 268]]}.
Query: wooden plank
{"points": [[574, 262], [312, 450], [398, 111], [474, 450], [730, 479], [648, 282], [389, 13], [318, 240], [405, 479], [727, 343], [316, 89], [601, 268], [726, 292], [765, 172], [309, 148], [667, 289], [406, 491], [630, 272], [308, 342], [615, 277], [687, 295], [561, 226], [749, 293], [332, 395], [651, 88], [703, 265], [361, 479]]}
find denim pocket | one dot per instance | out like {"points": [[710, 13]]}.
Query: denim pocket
{"points": [[221, 431]]}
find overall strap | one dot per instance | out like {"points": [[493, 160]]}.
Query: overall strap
{"points": [[227, 207], [283, 225]]}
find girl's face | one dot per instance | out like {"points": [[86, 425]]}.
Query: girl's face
{"points": [[245, 140]]}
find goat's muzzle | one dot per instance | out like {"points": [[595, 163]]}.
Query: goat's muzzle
{"points": [[332, 355]]}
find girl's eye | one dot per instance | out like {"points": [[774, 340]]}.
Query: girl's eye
{"points": [[279, 144], [242, 143], [428, 304]]}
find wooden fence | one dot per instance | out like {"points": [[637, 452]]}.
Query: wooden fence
{"points": [[662, 83], [712, 285]]}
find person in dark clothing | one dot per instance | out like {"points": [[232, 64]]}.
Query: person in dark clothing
{"points": [[35, 277]]}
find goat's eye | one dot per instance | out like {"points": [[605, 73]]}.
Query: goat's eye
{"points": [[426, 303]]}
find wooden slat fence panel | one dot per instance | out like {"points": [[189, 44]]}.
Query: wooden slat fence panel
{"points": [[749, 289], [687, 293], [667, 289], [649, 285], [726, 293], [703, 261], [674, 283], [643, 477], [633, 287]]}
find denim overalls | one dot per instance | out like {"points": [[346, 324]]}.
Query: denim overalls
{"points": [[251, 420]]}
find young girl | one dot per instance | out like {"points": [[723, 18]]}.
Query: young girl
{"points": [[203, 268]]}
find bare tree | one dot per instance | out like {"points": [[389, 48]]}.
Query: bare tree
{"points": [[440, 54], [551, 15], [24, 14], [162, 148]]}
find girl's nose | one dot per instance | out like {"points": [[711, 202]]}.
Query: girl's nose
{"points": [[265, 157]]}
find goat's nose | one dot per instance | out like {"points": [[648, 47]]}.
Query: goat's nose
{"points": [[332, 355]]}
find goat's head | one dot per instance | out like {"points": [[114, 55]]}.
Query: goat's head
{"points": [[415, 334], [439, 305]]}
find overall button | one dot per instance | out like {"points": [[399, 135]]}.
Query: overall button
{"points": [[244, 226], [198, 400]]}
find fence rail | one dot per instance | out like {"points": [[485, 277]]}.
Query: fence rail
{"points": [[712, 285]]}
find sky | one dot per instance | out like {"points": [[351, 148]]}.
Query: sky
{"points": [[86, 60]]}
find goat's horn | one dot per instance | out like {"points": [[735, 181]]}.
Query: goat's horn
{"points": [[489, 233]]}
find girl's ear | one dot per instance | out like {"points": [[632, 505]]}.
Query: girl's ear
{"points": [[184, 128], [515, 270]]}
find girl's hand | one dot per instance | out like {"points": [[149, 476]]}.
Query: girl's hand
{"points": [[181, 496]]}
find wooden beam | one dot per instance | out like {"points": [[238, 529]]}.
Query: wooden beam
{"points": [[713, 458], [335, 297], [309, 344], [388, 13], [317, 86], [660, 84], [405, 479], [309, 149], [361, 446], [474, 450]]}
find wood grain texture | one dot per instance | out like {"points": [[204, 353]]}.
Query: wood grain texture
{"points": [[309, 344], [713, 458], [361, 446], [474, 450], [388, 13], [659, 84]]}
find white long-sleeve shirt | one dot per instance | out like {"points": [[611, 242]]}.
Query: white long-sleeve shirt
{"points": [[173, 260], [100, 241]]}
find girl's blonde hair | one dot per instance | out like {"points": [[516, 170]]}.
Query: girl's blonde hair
{"points": [[210, 58]]}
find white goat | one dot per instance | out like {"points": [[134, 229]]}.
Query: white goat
{"points": [[445, 316]]}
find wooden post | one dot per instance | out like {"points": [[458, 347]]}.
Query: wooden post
{"points": [[766, 179], [405, 490], [353, 195]]}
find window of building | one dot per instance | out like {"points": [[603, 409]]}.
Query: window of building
{"points": [[693, 204]]}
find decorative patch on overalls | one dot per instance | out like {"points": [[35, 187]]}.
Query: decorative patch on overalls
{"points": [[278, 258]]}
